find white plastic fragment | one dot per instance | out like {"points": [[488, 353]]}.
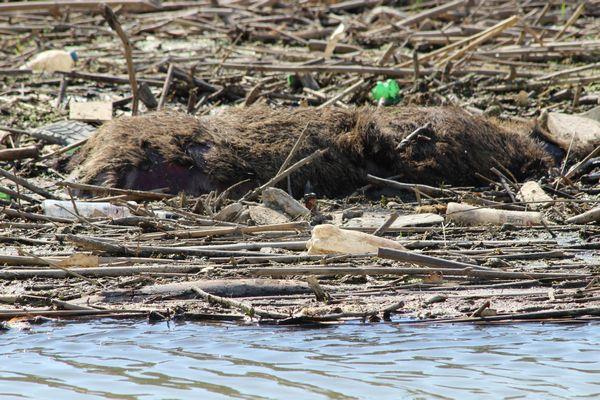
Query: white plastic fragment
{"points": [[329, 239], [51, 61]]}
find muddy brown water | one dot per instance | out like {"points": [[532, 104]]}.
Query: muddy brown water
{"points": [[134, 360]]}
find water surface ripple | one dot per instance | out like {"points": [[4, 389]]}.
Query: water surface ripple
{"points": [[134, 360]]}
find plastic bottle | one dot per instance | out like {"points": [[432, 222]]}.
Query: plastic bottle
{"points": [[464, 214], [64, 209], [329, 239], [388, 91], [52, 60]]}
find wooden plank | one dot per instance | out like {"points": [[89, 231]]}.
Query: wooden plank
{"points": [[91, 111]]}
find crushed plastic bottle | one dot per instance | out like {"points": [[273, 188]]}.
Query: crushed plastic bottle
{"points": [[389, 91], [464, 214], [64, 209], [51, 61]]}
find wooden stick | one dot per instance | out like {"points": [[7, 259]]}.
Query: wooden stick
{"points": [[166, 87], [385, 226], [480, 309], [246, 309], [537, 315], [69, 306], [420, 130], [592, 215], [221, 231], [88, 5], [8, 314], [25, 183], [354, 271], [18, 195], [484, 36], [430, 190], [32, 216], [422, 259], [342, 94], [571, 172], [113, 22], [64, 149], [148, 251], [140, 194], [340, 69], [448, 48], [299, 164], [571, 20], [297, 144], [62, 90], [101, 272], [19, 153], [429, 13], [55, 265]]}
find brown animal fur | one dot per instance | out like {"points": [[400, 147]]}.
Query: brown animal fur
{"points": [[213, 152]]}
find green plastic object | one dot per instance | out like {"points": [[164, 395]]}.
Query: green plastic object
{"points": [[4, 196], [292, 81], [388, 90], [72, 151]]}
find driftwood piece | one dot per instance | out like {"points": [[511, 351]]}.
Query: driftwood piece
{"points": [[429, 13], [87, 5], [148, 251], [592, 215], [8, 314], [245, 308], [100, 272], [33, 217], [230, 287], [18, 195], [413, 135], [386, 225], [422, 259], [134, 194], [280, 200], [167, 85], [575, 168], [26, 184], [430, 190], [320, 294], [113, 22], [19, 153], [358, 271], [234, 230], [147, 97], [297, 165], [537, 315]]}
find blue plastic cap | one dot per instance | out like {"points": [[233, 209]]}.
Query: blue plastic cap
{"points": [[74, 56]]}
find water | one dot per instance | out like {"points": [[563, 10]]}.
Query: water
{"points": [[134, 360]]}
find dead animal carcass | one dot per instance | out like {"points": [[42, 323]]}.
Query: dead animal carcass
{"points": [[199, 154]]}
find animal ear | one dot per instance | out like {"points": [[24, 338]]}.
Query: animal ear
{"points": [[537, 132], [551, 144]]}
